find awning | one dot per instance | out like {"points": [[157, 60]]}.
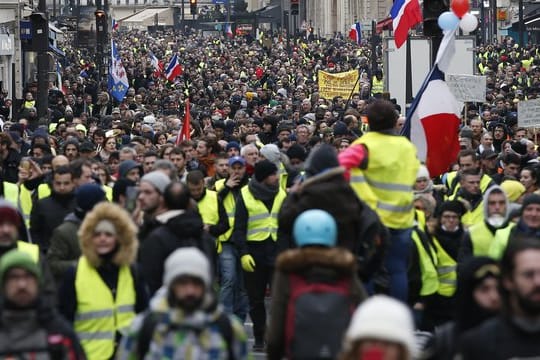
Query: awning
{"points": [[56, 51], [143, 15], [385, 24], [55, 29]]}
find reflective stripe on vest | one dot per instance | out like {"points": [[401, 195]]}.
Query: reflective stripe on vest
{"points": [[387, 183], [21, 198], [229, 203], [261, 223], [208, 208], [430, 279], [30, 249], [99, 316], [481, 239], [446, 270]]}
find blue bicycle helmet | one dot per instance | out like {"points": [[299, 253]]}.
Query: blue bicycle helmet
{"points": [[315, 227]]}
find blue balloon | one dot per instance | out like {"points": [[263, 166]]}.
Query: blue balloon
{"points": [[448, 20]]}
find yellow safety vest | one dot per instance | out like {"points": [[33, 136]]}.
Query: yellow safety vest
{"points": [[473, 216], [229, 203], [283, 176], [377, 86], [30, 249], [481, 239], [208, 208], [446, 270], [428, 263], [261, 223], [500, 242], [99, 316], [386, 184], [21, 198]]}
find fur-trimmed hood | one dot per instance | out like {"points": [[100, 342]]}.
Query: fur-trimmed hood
{"points": [[125, 229], [336, 258]]}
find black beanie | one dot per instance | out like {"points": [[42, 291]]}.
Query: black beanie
{"points": [[264, 169], [296, 152], [86, 197], [454, 206], [530, 199], [321, 158]]}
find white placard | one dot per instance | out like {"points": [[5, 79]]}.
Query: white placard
{"points": [[467, 87], [529, 113]]}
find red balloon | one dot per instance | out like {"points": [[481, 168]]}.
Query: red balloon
{"points": [[459, 7]]}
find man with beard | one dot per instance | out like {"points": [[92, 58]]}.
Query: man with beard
{"points": [[513, 334], [480, 236], [49, 212], [184, 321], [29, 326]]}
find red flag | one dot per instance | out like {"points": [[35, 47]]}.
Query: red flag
{"points": [[185, 130]]}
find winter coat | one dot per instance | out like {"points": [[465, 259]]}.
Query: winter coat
{"points": [[107, 268], [38, 333], [47, 214], [169, 333], [10, 166], [183, 229], [64, 250], [330, 264], [500, 338], [358, 226]]}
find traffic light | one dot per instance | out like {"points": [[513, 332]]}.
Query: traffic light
{"points": [[193, 6], [101, 27], [295, 4], [432, 10], [40, 31]]}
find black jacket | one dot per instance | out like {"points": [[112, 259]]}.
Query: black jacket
{"points": [[500, 338], [10, 166], [179, 231], [47, 214]]}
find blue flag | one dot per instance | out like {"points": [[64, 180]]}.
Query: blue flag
{"points": [[118, 81]]}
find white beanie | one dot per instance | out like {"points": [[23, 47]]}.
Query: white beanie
{"points": [[157, 179], [271, 153], [382, 318], [423, 172], [187, 261]]}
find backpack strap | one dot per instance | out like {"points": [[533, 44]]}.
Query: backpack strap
{"points": [[225, 328], [146, 334]]}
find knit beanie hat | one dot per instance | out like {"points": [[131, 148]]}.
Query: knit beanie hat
{"points": [[320, 159], [86, 196], [513, 189], [232, 145], [188, 261], [271, 153], [454, 206], [423, 172], [158, 180], [126, 166], [382, 318], [297, 152], [18, 259], [530, 199], [264, 169], [9, 213]]}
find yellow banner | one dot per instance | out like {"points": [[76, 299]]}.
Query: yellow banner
{"points": [[337, 84]]}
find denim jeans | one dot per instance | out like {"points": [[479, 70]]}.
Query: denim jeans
{"points": [[395, 261], [232, 293]]}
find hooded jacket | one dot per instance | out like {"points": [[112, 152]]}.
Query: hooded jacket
{"points": [[64, 249], [484, 228], [108, 267], [328, 263]]}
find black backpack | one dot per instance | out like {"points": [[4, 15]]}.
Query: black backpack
{"points": [[318, 313]]}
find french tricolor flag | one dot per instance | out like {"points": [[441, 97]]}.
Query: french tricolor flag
{"points": [[405, 15], [433, 119], [174, 69], [355, 34], [156, 64], [228, 30], [115, 25]]}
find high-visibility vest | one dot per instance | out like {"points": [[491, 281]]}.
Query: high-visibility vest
{"points": [[283, 176], [500, 242], [428, 261], [453, 185], [377, 86], [446, 271], [481, 238], [387, 183], [30, 249], [20, 197], [208, 208], [262, 224], [99, 316], [229, 203], [473, 216]]}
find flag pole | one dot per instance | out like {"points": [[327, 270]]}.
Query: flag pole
{"points": [[353, 88], [408, 73]]}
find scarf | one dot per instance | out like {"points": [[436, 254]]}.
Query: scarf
{"points": [[261, 191]]}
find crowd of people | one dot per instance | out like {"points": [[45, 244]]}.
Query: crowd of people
{"points": [[119, 239]]}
